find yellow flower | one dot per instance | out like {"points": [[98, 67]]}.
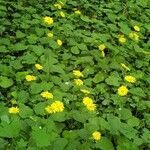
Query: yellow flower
{"points": [[46, 95], [48, 109], [50, 34], [77, 73], [85, 91], [59, 42], [124, 66], [91, 107], [87, 101], [122, 90], [38, 66], [134, 36], [30, 78], [13, 110], [101, 47], [77, 12], [56, 106], [103, 53], [78, 82], [130, 79], [136, 28], [62, 14], [96, 135], [58, 6], [48, 20], [122, 39]]}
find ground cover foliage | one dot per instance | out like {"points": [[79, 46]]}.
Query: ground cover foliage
{"points": [[74, 75]]}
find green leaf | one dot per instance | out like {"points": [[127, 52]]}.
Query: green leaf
{"points": [[146, 135], [125, 144], [112, 80], [18, 47], [98, 77], [115, 124], [25, 111], [29, 58], [37, 49], [5, 82], [124, 28], [40, 108], [32, 39], [39, 32], [60, 144], [104, 144], [41, 137], [6, 70], [21, 144], [60, 116], [82, 46], [134, 122], [36, 88], [75, 50], [20, 34], [124, 113], [128, 131], [137, 91], [85, 60], [21, 75], [57, 68], [5, 118], [3, 49], [85, 18], [23, 96], [10, 130], [103, 124]]}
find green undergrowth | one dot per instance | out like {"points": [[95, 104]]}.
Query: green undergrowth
{"points": [[82, 25]]}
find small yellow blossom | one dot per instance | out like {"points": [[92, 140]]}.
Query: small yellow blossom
{"points": [[78, 82], [38, 66], [91, 107], [122, 39], [46, 95], [136, 28], [50, 34], [124, 66], [56, 106], [87, 101], [122, 90], [101, 47], [58, 6], [85, 91], [103, 53], [13, 110], [62, 14], [134, 36], [30, 78], [77, 12], [48, 20], [130, 79], [96, 135], [59, 42], [77, 73], [48, 109]]}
